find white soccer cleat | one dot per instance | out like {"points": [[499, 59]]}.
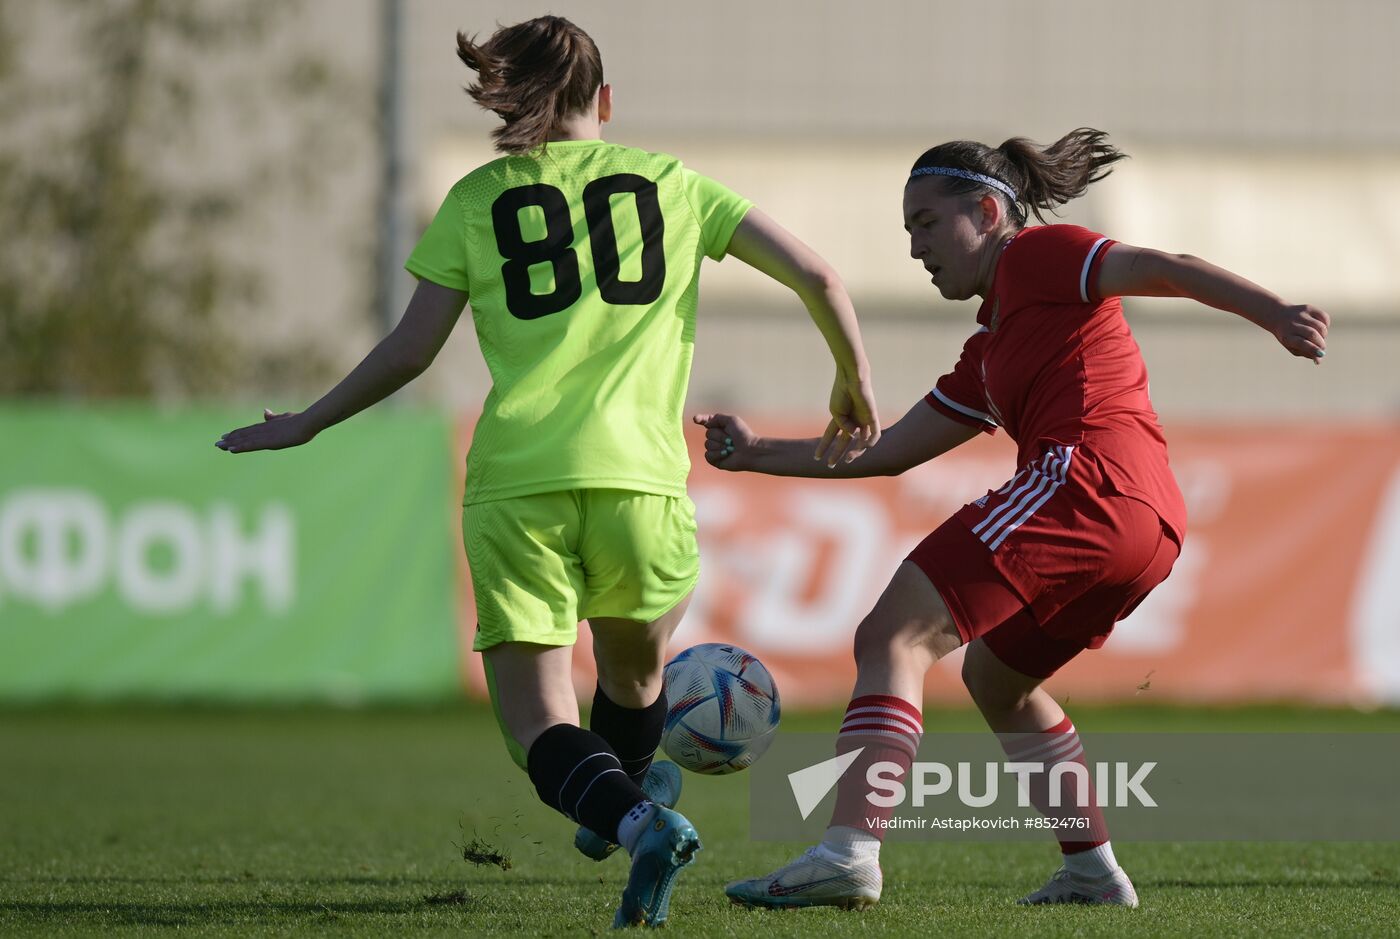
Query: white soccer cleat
{"points": [[817, 878], [1113, 889]]}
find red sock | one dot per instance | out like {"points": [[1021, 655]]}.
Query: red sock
{"points": [[888, 729], [1060, 744]]}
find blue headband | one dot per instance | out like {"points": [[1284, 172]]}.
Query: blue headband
{"points": [[966, 174]]}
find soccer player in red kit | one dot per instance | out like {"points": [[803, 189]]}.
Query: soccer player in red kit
{"points": [[1037, 571]]}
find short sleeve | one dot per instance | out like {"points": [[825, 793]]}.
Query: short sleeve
{"points": [[961, 395], [1054, 264], [718, 209], [441, 254]]}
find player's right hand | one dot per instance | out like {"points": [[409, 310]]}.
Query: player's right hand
{"points": [[855, 421], [729, 443], [276, 432], [1302, 330]]}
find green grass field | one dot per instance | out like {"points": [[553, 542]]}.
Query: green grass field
{"points": [[225, 822]]}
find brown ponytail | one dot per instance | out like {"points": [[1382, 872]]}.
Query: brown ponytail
{"points": [[1042, 177], [534, 75]]}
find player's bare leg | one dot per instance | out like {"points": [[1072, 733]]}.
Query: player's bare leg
{"points": [[630, 655], [1017, 705], [532, 689], [909, 630], [1011, 703]]}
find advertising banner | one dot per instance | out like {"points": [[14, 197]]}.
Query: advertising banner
{"points": [[1288, 587], [138, 560]]}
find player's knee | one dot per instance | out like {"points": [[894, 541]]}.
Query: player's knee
{"points": [[880, 641], [881, 638], [635, 689], [628, 675], [872, 642]]}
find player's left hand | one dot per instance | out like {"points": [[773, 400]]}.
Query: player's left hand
{"points": [[1302, 330], [276, 432]]}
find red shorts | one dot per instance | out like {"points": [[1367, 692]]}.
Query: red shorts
{"points": [[1042, 568]]}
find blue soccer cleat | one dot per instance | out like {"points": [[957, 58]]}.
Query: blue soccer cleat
{"points": [[662, 784], [668, 844]]}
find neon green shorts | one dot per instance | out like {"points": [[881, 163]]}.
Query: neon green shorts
{"points": [[541, 563]]}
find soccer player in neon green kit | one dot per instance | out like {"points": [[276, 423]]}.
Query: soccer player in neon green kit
{"points": [[580, 259]]}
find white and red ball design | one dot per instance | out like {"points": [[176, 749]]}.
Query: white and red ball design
{"points": [[722, 709]]}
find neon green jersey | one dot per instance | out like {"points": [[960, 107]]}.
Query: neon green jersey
{"points": [[581, 264]]}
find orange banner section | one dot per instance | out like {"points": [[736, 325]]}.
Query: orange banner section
{"points": [[1288, 586]]}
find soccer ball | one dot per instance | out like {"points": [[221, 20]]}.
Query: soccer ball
{"points": [[722, 709]]}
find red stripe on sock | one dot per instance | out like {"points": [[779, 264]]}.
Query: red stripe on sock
{"points": [[887, 701], [892, 736]]}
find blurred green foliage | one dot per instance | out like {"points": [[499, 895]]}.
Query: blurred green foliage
{"points": [[116, 278]]}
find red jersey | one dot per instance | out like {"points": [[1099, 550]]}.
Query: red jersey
{"points": [[1055, 364]]}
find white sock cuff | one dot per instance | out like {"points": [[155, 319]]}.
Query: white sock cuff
{"points": [[1096, 862], [633, 823], [850, 844]]}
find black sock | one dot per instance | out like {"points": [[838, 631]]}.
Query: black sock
{"points": [[577, 773], [633, 733]]}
